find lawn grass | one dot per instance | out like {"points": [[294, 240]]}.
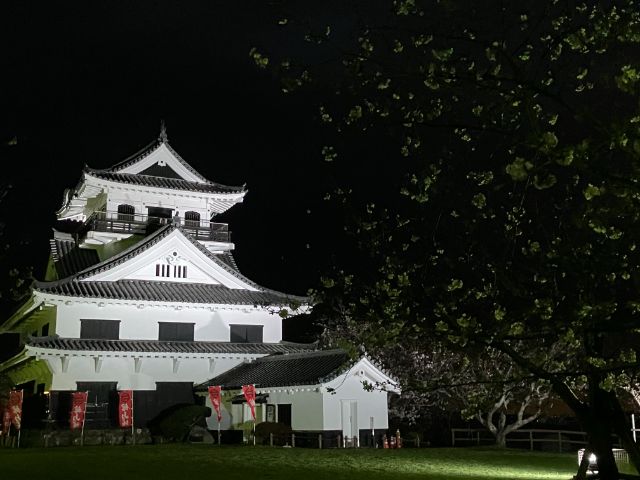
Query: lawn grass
{"points": [[186, 462]]}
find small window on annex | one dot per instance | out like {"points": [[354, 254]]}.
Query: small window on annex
{"points": [[246, 333], [100, 329], [181, 332]]}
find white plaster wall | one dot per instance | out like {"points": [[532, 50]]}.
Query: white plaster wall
{"points": [[183, 202], [306, 407], [370, 404], [152, 370], [211, 324]]}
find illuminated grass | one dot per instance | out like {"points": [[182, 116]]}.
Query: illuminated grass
{"points": [[185, 462]]}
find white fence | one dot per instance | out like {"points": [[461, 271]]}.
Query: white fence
{"points": [[534, 439]]}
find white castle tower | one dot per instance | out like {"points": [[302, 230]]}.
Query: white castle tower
{"points": [[142, 292]]}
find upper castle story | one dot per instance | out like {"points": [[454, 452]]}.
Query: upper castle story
{"points": [[109, 209]]}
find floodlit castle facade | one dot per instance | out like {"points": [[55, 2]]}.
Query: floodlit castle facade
{"points": [[142, 293]]}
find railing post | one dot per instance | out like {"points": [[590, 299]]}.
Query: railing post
{"points": [[531, 440], [271, 439], [560, 442], [293, 439], [339, 441], [478, 437], [320, 441], [453, 437]]}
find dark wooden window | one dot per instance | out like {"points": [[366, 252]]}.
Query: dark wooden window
{"points": [[192, 219], [246, 333], [175, 331], [100, 329], [284, 414], [126, 212]]}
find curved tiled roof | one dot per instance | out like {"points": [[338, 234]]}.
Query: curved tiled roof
{"points": [[162, 182], [69, 258], [306, 368], [76, 286], [165, 346], [156, 291]]}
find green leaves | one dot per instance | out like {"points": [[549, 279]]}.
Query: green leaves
{"points": [[519, 169], [591, 191], [258, 58]]}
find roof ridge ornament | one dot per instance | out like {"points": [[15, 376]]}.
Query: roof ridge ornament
{"points": [[163, 133]]}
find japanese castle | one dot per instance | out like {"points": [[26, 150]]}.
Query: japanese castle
{"points": [[142, 292]]}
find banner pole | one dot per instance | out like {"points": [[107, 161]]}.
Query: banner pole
{"points": [[84, 417], [19, 438], [218, 432], [254, 431], [133, 431]]}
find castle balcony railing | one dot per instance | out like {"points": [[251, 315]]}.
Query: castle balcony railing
{"points": [[139, 224]]}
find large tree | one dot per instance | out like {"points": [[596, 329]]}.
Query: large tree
{"points": [[518, 124]]}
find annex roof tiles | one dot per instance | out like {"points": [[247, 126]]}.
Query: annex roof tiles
{"points": [[305, 368]]}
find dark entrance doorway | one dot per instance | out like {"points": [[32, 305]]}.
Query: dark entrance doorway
{"points": [[102, 403], [158, 217]]}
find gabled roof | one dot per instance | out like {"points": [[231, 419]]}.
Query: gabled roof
{"points": [[177, 174], [144, 152], [80, 284], [307, 368], [165, 346]]}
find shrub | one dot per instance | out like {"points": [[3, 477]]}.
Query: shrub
{"points": [[281, 433], [175, 423]]}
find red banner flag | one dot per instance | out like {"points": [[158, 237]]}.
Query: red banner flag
{"points": [[15, 408], [215, 394], [125, 408], [78, 409], [6, 420], [249, 392]]}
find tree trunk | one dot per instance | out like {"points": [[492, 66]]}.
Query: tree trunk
{"points": [[501, 439], [602, 445]]}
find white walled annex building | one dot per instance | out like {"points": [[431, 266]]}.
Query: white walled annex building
{"points": [[142, 292]]}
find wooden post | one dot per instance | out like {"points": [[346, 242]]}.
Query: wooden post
{"points": [[271, 439], [478, 437], [320, 441], [293, 439], [560, 442], [339, 440], [417, 441], [531, 440], [633, 426]]}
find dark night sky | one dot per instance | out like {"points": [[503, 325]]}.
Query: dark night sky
{"points": [[90, 83]]}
